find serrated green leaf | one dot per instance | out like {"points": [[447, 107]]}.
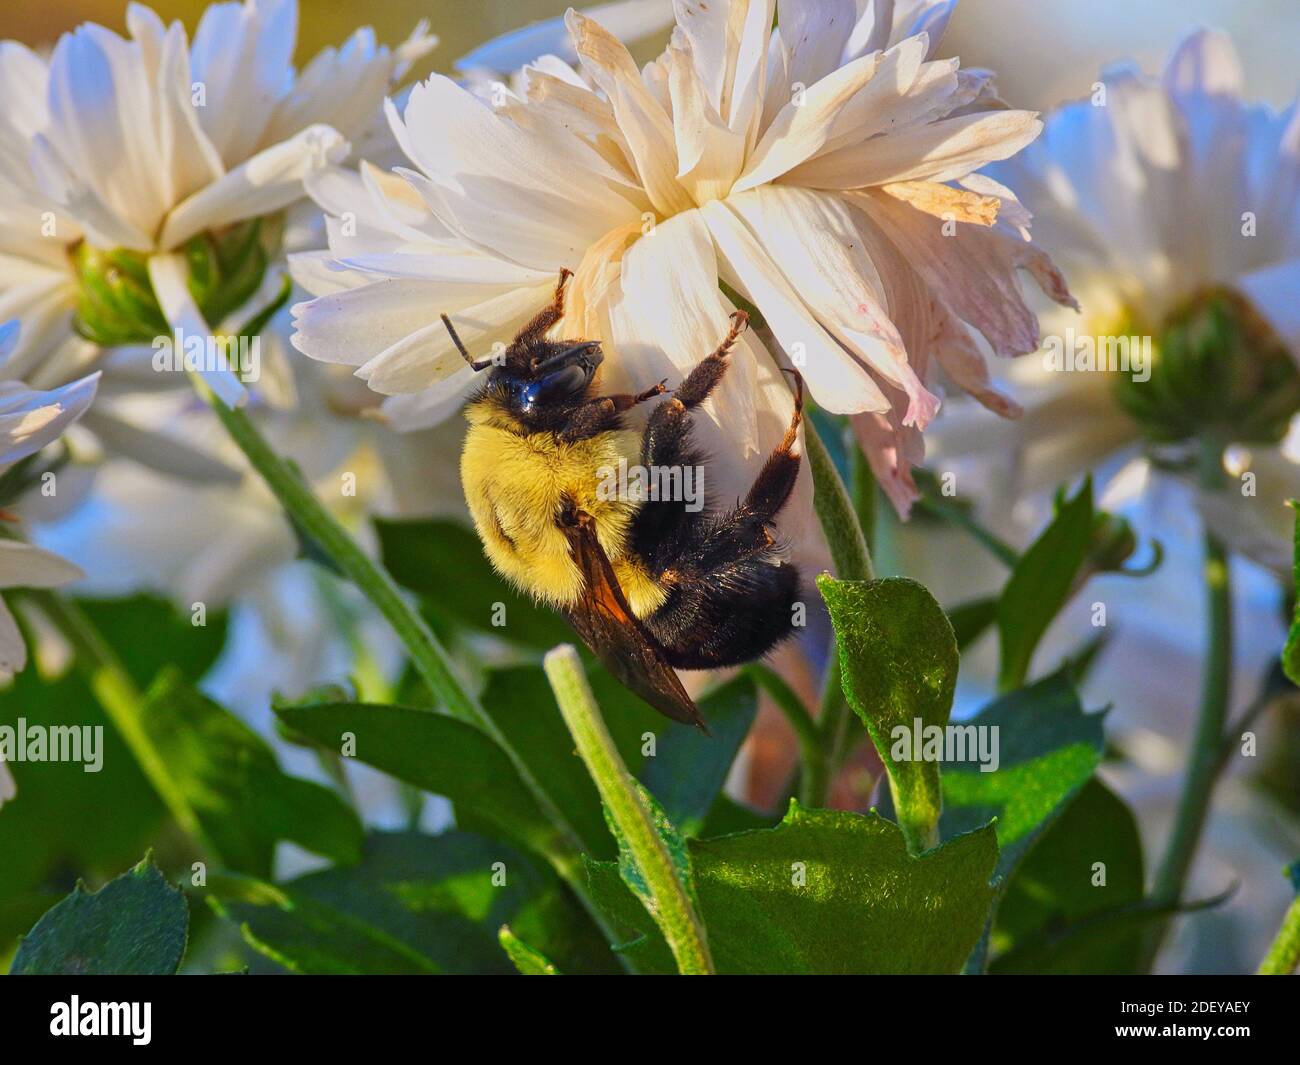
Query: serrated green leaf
{"points": [[230, 779], [1056, 885], [134, 925], [1040, 584], [443, 562], [898, 665], [826, 891], [528, 961], [436, 753]]}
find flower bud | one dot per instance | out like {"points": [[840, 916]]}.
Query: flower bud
{"points": [[1219, 371]]}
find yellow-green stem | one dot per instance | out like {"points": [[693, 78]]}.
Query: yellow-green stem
{"points": [[672, 908]]}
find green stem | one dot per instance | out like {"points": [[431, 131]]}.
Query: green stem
{"points": [[1284, 955], [813, 782], [672, 908], [427, 654], [118, 694], [835, 511], [1205, 759]]}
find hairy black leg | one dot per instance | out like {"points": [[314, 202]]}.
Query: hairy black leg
{"points": [[536, 329], [775, 481], [602, 414], [727, 613]]}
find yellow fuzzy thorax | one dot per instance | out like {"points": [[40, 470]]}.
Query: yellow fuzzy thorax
{"points": [[516, 483]]}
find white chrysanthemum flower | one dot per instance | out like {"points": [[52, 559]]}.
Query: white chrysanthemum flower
{"points": [[28, 421], [142, 143], [1148, 194], [821, 170]]}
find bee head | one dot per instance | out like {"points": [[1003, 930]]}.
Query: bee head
{"points": [[534, 375]]}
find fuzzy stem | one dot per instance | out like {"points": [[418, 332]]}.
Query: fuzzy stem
{"points": [[672, 909], [1284, 955]]}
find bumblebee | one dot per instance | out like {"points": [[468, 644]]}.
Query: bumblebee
{"points": [[649, 584]]}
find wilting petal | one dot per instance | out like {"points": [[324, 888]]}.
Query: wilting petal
{"points": [[834, 378], [710, 155], [824, 261], [940, 151]]}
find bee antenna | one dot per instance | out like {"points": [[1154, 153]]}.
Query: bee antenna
{"points": [[455, 339]]}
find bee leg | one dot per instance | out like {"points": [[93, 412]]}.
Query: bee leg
{"points": [[537, 328], [708, 371], [775, 481]]}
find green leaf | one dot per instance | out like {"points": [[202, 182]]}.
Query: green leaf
{"points": [[528, 961], [134, 925], [230, 779], [688, 769], [826, 891], [434, 752], [898, 663], [1056, 887], [443, 563], [1291, 653], [1047, 748], [150, 635], [414, 904], [66, 822], [1041, 584]]}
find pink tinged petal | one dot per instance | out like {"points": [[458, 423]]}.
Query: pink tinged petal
{"points": [[270, 180], [1205, 63], [813, 36], [801, 128], [31, 419], [939, 151], [961, 359], [1275, 292], [23, 565], [423, 410], [886, 447], [427, 356], [645, 124], [628, 20], [243, 57], [824, 261], [972, 270], [834, 377], [168, 273], [670, 314]]}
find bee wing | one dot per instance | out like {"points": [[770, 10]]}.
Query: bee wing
{"points": [[617, 637]]}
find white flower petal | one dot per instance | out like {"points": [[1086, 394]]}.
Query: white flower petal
{"points": [[164, 452], [814, 34], [24, 565], [1275, 292], [423, 410], [13, 659], [268, 181], [169, 276], [422, 358], [1205, 63], [29, 420]]}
